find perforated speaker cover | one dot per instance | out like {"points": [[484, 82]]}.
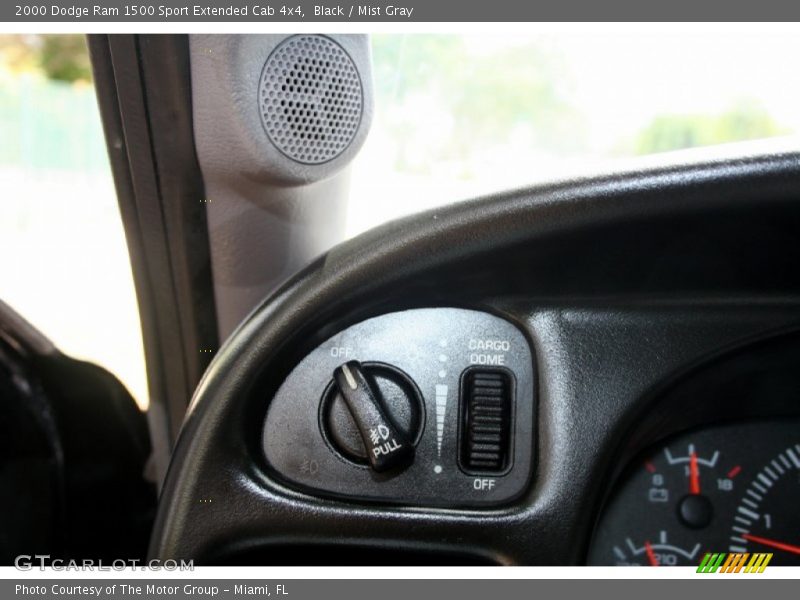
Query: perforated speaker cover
{"points": [[311, 98]]}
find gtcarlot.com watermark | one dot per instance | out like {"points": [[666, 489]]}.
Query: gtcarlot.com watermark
{"points": [[28, 562]]}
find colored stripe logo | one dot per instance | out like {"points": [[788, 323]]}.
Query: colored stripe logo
{"points": [[734, 563]]}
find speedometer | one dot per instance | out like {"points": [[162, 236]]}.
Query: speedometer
{"points": [[731, 488]]}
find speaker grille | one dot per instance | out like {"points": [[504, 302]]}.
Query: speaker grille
{"points": [[311, 98]]}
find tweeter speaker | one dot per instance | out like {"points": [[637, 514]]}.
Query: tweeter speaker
{"points": [[280, 110], [311, 98]]}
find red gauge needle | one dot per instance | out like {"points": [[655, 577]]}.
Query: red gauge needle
{"points": [[651, 556], [772, 543], [694, 474]]}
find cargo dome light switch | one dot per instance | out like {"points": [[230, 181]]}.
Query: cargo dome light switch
{"points": [[487, 410]]}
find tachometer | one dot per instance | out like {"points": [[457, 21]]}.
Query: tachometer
{"points": [[767, 517]]}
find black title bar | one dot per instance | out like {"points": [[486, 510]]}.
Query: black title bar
{"points": [[405, 11]]}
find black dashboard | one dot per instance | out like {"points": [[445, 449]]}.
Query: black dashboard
{"points": [[601, 371]]}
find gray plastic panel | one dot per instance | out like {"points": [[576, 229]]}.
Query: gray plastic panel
{"points": [[434, 347], [268, 215]]}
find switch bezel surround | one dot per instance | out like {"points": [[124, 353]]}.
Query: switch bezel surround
{"points": [[297, 453]]}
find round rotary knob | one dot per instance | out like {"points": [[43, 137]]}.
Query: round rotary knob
{"points": [[372, 413]]}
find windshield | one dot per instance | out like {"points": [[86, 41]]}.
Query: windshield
{"points": [[458, 116]]}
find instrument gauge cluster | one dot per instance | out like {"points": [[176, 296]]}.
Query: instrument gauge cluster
{"points": [[731, 488]]}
